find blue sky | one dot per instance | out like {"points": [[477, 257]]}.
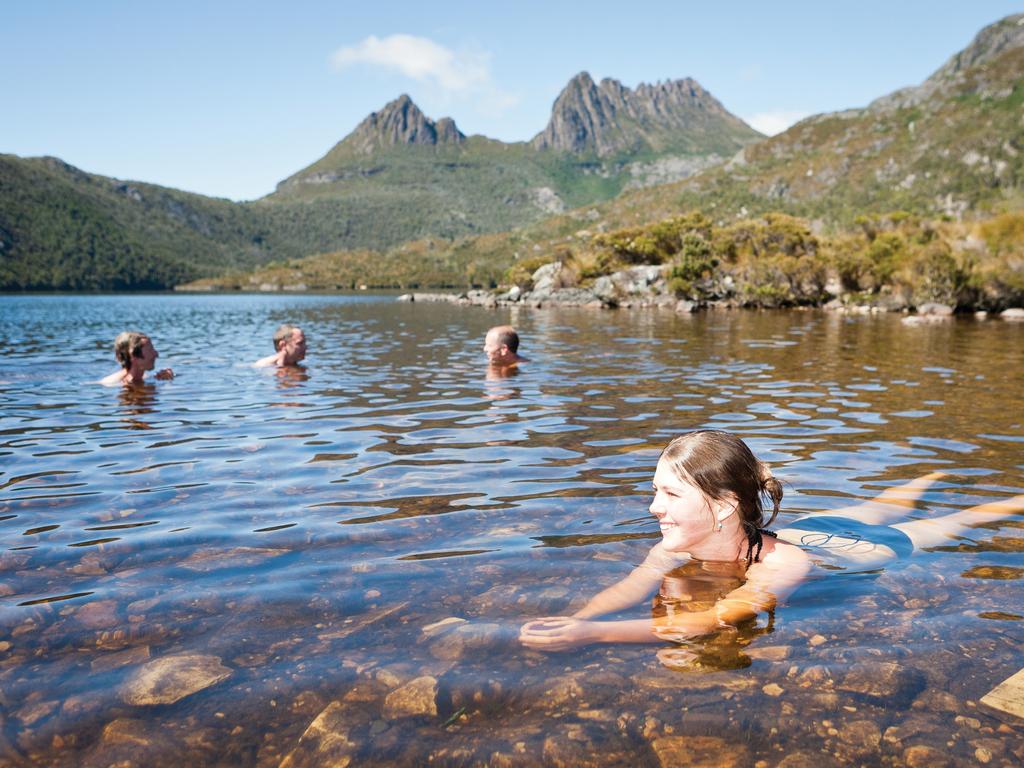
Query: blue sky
{"points": [[228, 98]]}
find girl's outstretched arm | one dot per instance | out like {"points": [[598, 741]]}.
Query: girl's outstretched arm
{"points": [[769, 581], [555, 633], [640, 584]]}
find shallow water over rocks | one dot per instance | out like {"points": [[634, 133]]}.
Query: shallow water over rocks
{"points": [[330, 566]]}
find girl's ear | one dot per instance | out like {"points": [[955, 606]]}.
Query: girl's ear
{"points": [[727, 506]]}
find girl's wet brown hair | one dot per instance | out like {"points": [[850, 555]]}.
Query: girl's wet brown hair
{"points": [[127, 345], [719, 464]]}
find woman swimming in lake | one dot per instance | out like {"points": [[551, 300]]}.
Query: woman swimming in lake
{"points": [[137, 355], [708, 491]]}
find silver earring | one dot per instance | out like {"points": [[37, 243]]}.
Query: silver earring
{"points": [[718, 527]]}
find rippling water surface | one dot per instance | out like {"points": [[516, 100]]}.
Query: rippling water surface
{"points": [[336, 561]]}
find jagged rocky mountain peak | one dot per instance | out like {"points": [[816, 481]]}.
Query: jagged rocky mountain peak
{"points": [[401, 122], [609, 117]]}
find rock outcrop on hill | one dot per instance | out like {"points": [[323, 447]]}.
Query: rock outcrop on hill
{"points": [[990, 43], [400, 122], [609, 118]]}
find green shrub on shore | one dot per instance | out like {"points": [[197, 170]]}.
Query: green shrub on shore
{"points": [[774, 260]]}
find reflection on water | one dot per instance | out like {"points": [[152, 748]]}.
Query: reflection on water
{"points": [[253, 566]]}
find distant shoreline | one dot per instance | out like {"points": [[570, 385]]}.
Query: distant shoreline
{"points": [[926, 313]]}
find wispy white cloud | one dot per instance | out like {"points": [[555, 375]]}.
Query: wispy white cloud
{"points": [[455, 72], [775, 121]]}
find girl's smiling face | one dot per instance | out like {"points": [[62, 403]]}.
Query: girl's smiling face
{"points": [[684, 513]]}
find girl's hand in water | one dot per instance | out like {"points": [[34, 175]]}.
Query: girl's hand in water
{"points": [[165, 373], [557, 633]]}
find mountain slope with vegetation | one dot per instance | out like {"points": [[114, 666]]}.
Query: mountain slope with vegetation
{"points": [[953, 146], [879, 190], [437, 181], [64, 229], [397, 177], [950, 150]]}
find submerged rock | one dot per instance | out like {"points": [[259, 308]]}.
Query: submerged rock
{"points": [[859, 740], [921, 756], [885, 681], [416, 698], [172, 678], [462, 638], [803, 760], [579, 745], [131, 742], [325, 742], [699, 752]]}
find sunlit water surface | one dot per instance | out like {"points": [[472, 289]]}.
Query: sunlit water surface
{"points": [[296, 538]]}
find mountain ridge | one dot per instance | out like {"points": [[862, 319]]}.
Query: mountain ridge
{"points": [[956, 148], [608, 117], [606, 124]]}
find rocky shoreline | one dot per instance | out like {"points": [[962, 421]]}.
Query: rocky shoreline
{"points": [[646, 287]]}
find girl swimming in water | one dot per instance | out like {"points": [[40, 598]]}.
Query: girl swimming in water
{"points": [[708, 491]]}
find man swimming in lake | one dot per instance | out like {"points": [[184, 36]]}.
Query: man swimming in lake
{"points": [[290, 343], [708, 490], [501, 344], [136, 354]]}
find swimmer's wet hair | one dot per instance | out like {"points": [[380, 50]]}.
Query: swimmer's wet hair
{"points": [[127, 345], [507, 335], [719, 463], [283, 333]]}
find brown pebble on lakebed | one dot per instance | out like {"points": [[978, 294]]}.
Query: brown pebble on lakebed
{"points": [[769, 652]]}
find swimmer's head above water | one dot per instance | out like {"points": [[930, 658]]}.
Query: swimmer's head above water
{"points": [[289, 348], [707, 481], [501, 345], [130, 345], [291, 341], [136, 355]]}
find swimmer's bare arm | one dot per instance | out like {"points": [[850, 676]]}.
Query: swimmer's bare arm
{"points": [[265, 362], [636, 587], [114, 379], [121, 377], [767, 582], [552, 632]]}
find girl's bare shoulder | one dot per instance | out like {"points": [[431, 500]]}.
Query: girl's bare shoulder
{"points": [[782, 555]]}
